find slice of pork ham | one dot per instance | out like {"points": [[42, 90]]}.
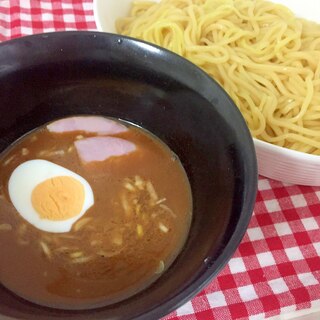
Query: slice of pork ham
{"points": [[91, 124], [102, 148]]}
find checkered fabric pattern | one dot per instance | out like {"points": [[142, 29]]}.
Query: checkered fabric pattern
{"points": [[276, 269], [23, 17]]}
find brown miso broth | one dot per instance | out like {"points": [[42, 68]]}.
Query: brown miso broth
{"points": [[135, 226]]}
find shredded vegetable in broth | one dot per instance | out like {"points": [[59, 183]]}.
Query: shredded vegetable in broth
{"points": [[267, 59], [131, 212]]}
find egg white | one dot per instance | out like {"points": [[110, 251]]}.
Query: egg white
{"points": [[26, 177]]}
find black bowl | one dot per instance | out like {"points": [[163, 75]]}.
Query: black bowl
{"points": [[48, 76]]}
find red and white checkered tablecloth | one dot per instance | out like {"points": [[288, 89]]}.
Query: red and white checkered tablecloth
{"points": [[276, 269]]}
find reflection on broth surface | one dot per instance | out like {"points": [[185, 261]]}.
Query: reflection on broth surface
{"points": [[92, 211]]}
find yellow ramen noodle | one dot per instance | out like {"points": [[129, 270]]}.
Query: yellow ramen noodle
{"points": [[264, 57]]}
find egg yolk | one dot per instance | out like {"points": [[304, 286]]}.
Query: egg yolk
{"points": [[58, 198]]}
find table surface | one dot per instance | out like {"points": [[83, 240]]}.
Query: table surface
{"points": [[276, 269]]}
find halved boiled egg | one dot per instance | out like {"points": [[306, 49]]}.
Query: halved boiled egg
{"points": [[50, 197]]}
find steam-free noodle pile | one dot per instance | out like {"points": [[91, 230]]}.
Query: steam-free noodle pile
{"points": [[267, 59]]}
